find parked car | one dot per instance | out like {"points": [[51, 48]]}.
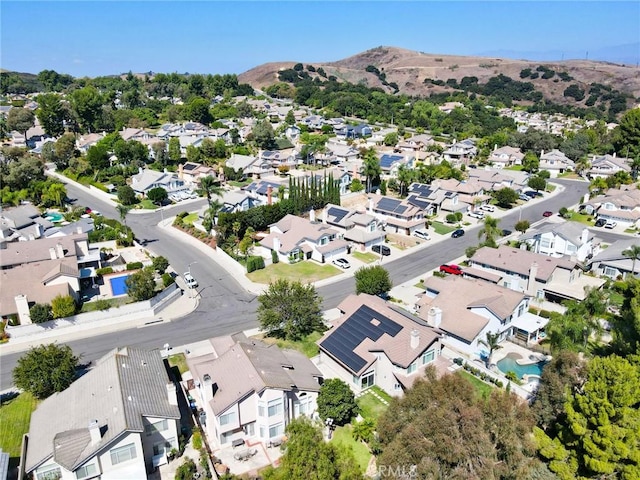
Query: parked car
{"points": [[451, 269], [524, 197], [422, 234], [488, 208], [532, 194], [601, 222], [479, 215], [382, 250], [342, 263], [457, 233], [547, 214], [190, 281], [610, 224], [506, 232]]}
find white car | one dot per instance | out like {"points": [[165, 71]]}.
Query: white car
{"points": [[342, 263], [478, 215], [488, 208], [610, 224], [190, 281], [422, 234]]}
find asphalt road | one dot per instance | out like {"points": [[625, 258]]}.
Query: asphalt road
{"points": [[225, 307]]}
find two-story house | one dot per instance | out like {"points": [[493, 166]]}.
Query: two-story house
{"points": [[372, 343], [264, 191], [147, 179], [361, 229], [250, 391], [617, 204], [505, 157], [604, 166], [397, 216], [389, 163], [611, 262], [555, 162], [568, 238], [119, 421], [192, 172], [295, 238], [461, 152]]}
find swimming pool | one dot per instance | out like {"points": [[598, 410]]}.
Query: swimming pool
{"points": [[54, 217], [118, 285], [509, 364]]}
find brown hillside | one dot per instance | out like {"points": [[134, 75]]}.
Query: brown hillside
{"points": [[408, 69]]}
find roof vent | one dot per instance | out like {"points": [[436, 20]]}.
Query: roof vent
{"points": [[375, 322]]}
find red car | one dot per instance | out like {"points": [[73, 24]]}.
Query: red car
{"points": [[547, 214], [452, 269]]}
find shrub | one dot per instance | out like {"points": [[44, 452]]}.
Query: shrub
{"points": [[274, 257], [451, 218], [197, 439], [160, 264], [182, 214], [104, 271], [254, 263], [167, 280], [63, 306], [40, 312], [134, 266], [103, 304], [545, 314]]}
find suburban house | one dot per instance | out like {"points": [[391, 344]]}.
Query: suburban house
{"points": [[610, 262], [373, 343], [555, 162], [361, 229], [505, 157], [249, 391], [277, 158], [147, 179], [24, 222], [241, 162], [292, 132], [492, 180], [466, 310], [431, 199], [119, 421], [461, 152], [85, 142], [617, 204], [342, 152], [416, 143], [540, 276], [389, 163], [358, 131], [39, 270], [82, 225], [192, 172], [464, 195], [397, 216], [568, 238], [263, 191], [295, 238], [604, 166]]}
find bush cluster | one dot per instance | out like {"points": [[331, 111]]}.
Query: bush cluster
{"points": [[134, 266], [254, 263], [476, 372]]}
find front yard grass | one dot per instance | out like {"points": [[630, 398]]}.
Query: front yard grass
{"points": [[370, 406], [113, 303], [366, 257], [307, 345], [482, 389], [189, 219], [343, 436], [306, 271], [241, 184], [180, 361], [581, 218], [15, 415], [147, 204], [442, 229]]}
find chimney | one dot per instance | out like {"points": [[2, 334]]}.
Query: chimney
{"points": [[541, 153], [415, 339], [78, 229], [533, 272], [94, 432], [52, 253], [585, 236], [614, 154], [371, 205], [434, 317], [495, 147], [22, 305], [325, 214], [312, 215], [59, 250], [38, 230], [180, 170], [269, 192], [172, 394], [276, 244]]}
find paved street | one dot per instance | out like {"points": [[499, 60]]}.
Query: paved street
{"points": [[225, 307]]}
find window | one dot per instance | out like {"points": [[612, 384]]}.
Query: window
{"points": [[397, 387], [276, 430], [545, 243], [367, 380], [520, 310], [275, 407], [160, 448], [411, 368], [87, 471], [428, 357], [262, 431], [260, 410], [49, 473], [123, 454], [571, 247], [610, 272], [152, 428], [227, 418]]}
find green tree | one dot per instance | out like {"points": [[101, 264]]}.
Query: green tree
{"points": [[98, 157], [157, 195], [65, 149], [530, 162], [51, 114], [633, 252], [56, 193], [405, 177], [537, 183], [197, 110], [126, 195], [174, 149], [20, 120], [263, 134], [492, 342], [40, 312], [87, 105], [336, 401], [522, 225], [290, 310], [373, 280], [45, 369], [290, 119], [371, 168], [63, 306], [160, 154], [209, 186], [160, 264], [186, 470], [489, 231], [141, 285], [506, 197], [626, 326], [390, 139], [627, 136]]}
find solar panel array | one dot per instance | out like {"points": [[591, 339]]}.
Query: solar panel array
{"points": [[387, 160], [344, 340], [417, 202], [421, 189], [337, 213], [391, 205]]}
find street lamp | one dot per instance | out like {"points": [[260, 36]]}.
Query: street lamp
{"points": [[189, 267]]}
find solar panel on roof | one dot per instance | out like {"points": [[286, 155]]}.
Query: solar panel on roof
{"points": [[400, 209], [388, 204], [343, 341], [337, 213]]}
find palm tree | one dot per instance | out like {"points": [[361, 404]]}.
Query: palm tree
{"points": [[210, 215], [123, 210], [405, 177], [209, 186], [371, 167], [492, 343], [57, 193], [489, 231], [633, 252]]}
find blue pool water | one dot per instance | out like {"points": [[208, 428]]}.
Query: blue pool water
{"points": [[54, 217], [509, 364], [118, 285]]}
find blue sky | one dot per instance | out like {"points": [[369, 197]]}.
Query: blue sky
{"points": [[99, 38]]}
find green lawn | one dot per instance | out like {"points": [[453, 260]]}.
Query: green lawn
{"points": [[370, 406], [342, 436], [483, 389], [244, 183], [189, 219], [615, 298], [515, 168], [581, 218], [307, 345], [366, 257], [15, 415], [147, 204], [113, 303], [441, 228], [306, 271], [180, 361]]}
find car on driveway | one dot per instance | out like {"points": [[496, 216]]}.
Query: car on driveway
{"points": [[190, 281], [601, 222], [457, 233], [423, 234], [381, 250], [479, 215], [488, 208], [532, 194], [524, 197], [547, 214], [610, 224], [342, 263], [506, 233], [451, 269]]}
